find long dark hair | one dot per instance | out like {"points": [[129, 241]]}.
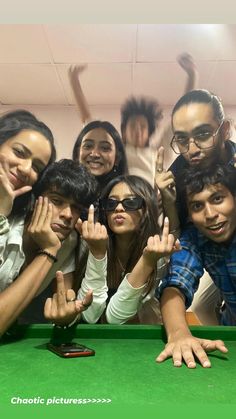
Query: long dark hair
{"points": [[120, 167], [148, 227], [11, 124]]}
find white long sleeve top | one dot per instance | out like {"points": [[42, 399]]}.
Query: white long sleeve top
{"points": [[127, 300], [95, 279]]}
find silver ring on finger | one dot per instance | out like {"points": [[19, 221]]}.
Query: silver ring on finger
{"points": [[71, 300]]}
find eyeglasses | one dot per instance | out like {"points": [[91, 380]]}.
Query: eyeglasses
{"points": [[203, 139], [129, 204]]}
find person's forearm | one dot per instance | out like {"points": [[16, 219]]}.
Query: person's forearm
{"points": [[124, 304], [174, 313], [81, 101], [95, 279], [140, 273], [192, 81], [15, 298]]}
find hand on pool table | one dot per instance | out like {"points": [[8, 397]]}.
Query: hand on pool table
{"points": [[189, 348], [63, 308]]}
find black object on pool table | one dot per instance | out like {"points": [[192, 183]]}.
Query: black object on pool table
{"points": [[61, 343], [70, 350]]}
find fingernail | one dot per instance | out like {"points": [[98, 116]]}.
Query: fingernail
{"points": [[177, 363], [91, 206], [191, 364], [206, 364], [166, 220]]}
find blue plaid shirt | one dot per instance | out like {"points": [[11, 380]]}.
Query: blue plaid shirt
{"points": [[199, 253]]}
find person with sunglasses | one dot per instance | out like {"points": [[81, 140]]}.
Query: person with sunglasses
{"points": [[201, 136], [136, 250]]}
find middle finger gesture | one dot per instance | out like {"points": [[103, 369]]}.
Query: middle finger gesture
{"points": [[159, 247], [63, 308], [95, 234]]}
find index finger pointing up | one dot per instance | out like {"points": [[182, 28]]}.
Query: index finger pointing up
{"points": [[160, 160]]}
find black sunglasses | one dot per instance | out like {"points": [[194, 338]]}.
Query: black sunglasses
{"points": [[129, 204]]}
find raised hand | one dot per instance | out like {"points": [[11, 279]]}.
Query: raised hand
{"points": [[40, 229], [95, 234], [75, 70], [7, 193], [161, 246], [186, 61], [164, 180], [63, 308]]}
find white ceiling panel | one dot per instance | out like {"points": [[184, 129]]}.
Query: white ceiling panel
{"points": [[92, 43], [226, 42], [30, 84], [101, 83], [223, 81], [122, 60], [23, 44], [164, 42], [166, 81]]}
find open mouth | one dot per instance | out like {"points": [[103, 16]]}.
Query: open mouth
{"points": [[217, 228], [94, 164]]}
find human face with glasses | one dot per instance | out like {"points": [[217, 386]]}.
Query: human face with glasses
{"points": [[198, 136], [124, 209]]}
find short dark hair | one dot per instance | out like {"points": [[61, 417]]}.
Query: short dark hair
{"points": [[192, 180], [202, 96], [148, 108], [121, 165], [70, 179]]}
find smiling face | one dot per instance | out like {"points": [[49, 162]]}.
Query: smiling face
{"points": [[65, 214], [27, 154], [98, 152], [120, 220], [195, 118], [213, 211]]}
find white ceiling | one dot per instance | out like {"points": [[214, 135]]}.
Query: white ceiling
{"points": [[122, 60]]}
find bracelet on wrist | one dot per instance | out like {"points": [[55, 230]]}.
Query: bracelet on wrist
{"points": [[48, 254]]}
